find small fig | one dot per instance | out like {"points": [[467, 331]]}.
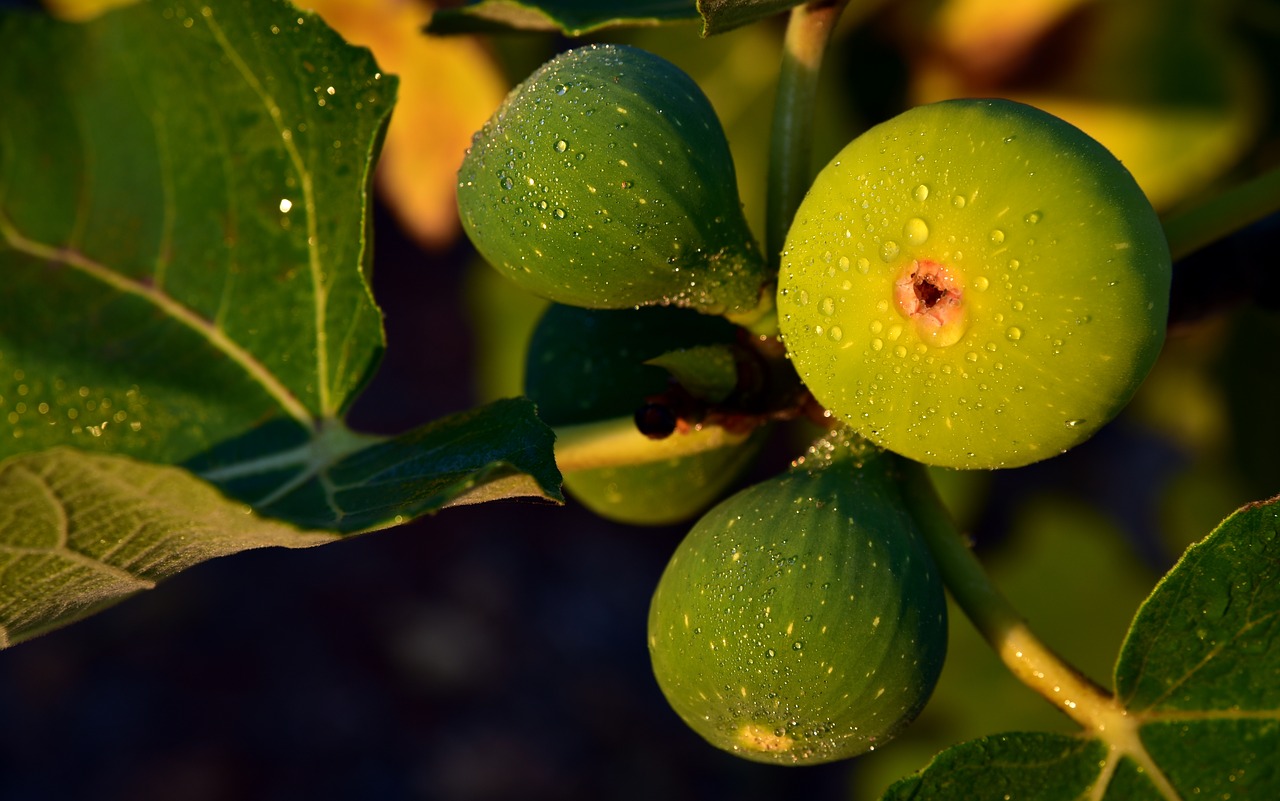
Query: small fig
{"points": [[605, 181], [802, 620], [974, 284], [586, 365]]}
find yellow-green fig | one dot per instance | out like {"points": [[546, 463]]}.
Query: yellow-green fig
{"points": [[974, 284]]}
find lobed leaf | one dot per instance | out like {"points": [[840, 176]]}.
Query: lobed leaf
{"points": [[81, 531], [183, 215], [184, 212], [1198, 681], [347, 482]]}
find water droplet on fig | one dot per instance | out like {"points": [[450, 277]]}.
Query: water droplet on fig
{"points": [[1013, 333], [835, 333], [844, 263], [981, 283], [1075, 422], [561, 146], [877, 344], [958, 201], [828, 306], [997, 236], [916, 231], [863, 265], [889, 251], [506, 182], [561, 88], [1032, 217], [922, 192], [559, 213]]}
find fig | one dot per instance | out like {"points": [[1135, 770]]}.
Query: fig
{"points": [[604, 181], [802, 620], [974, 284], [586, 365]]}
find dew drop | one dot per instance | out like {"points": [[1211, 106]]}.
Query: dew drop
{"points": [[561, 146], [922, 192], [1014, 264], [1013, 333], [835, 333], [877, 344], [863, 265], [1032, 218], [971, 356], [889, 251], [900, 351], [958, 201], [844, 263], [797, 646], [506, 182], [1075, 422], [876, 326], [561, 88], [916, 231], [559, 213], [997, 236], [768, 654], [981, 283]]}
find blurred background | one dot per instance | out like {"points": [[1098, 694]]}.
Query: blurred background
{"points": [[498, 651]]}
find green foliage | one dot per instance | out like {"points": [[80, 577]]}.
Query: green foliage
{"points": [[191, 193], [1198, 707], [185, 237]]}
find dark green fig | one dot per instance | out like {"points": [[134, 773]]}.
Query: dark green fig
{"points": [[587, 365], [802, 620], [605, 181]]}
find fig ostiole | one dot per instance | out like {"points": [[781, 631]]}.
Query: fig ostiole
{"points": [[802, 620], [974, 284], [605, 181]]}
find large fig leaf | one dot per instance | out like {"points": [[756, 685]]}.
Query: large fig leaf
{"points": [[183, 201], [1198, 679], [82, 531], [184, 214]]}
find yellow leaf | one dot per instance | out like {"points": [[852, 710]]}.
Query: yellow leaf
{"points": [[448, 88]]}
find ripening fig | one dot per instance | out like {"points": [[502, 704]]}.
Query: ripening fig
{"points": [[802, 620], [605, 181], [587, 365], [974, 284]]}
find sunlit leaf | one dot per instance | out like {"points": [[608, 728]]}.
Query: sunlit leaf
{"points": [[448, 88], [1198, 679], [80, 531]]}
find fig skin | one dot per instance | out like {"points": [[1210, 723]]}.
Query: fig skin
{"points": [[605, 181], [974, 284], [802, 620], [587, 365]]}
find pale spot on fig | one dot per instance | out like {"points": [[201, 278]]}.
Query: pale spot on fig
{"points": [[759, 738]]}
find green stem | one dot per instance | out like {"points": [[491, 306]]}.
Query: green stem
{"points": [[791, 147], [1030, 660], [1224, 214], [617, 443]]}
